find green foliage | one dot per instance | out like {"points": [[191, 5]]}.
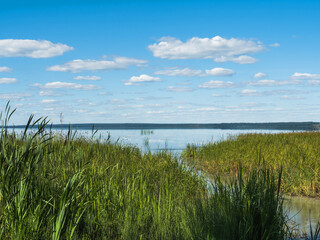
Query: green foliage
{"points": [[68, 187], [298, 154], [242, 208]]}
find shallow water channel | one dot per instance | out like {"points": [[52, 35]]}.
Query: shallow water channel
{"points": [[303, 211]]}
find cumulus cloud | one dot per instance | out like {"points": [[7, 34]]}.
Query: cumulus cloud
{"points": [[49, 93], [8, 80], [5, 69], [143, 78], [48, 101], [186, 72], [219, 72], [179, 89], [249, 92], [217, 84], [260, 75], [31, 48], [66, 85], [243, 59], [90, 78], [79, 65], [305, 76], [217, 48], [271, 83]]}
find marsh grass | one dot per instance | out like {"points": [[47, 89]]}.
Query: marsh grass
{"points": [[296, 153], [69, 187]]}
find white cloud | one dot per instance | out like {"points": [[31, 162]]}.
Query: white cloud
{"points": [[314, 82], [14, 96], [5, 69], [90, 78], [205, 109], [105, 93], [186, 72], [217, 84], [181, 107], [305, 76], [66, 85], [271, 83], [80, 111], [79, 65], [260, 75], [218, 48], [179, 89], [287, 97], [49, 93], [143, 78], [155, 112], [192, 72], [219, 72], [245, 91], [118, 101], [48, 101], [274, 45], [216, 95], [31, 48], [243, 59], [8, 80], [249, 92]]}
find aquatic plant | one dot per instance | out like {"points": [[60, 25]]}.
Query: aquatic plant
{"points": [[70, 187], [297, 153]]}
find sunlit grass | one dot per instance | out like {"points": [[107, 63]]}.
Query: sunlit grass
{"points": [[298, 154], [69, 187]]}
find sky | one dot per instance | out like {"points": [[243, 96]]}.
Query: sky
{"points": [[161, 61]]}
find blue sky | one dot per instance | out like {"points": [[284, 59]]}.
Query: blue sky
{"points": [[161, 61]]}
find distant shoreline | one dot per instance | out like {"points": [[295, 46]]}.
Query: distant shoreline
{"points": [[294, 126]]}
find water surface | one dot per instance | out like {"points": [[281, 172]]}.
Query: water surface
{"points": [[170, 139]]}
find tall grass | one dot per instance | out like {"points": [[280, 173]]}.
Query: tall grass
{"points": [[69, 187], [242, 208], [298, 154]]}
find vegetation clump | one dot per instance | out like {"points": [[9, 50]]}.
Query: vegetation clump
{"points": [[296, 153]]}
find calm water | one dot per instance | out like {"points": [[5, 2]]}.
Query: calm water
{"points": [[303, 210], [171, 139]]}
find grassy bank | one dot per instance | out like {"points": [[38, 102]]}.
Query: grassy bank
{"points": [[67, 187], [298, 154]]}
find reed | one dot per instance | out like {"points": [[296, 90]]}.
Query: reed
{"points": [[69, 187], [297, 153]]}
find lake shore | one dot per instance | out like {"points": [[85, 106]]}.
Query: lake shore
{"points": [[66, 186]]}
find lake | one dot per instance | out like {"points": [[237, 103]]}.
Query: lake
{"points": [[169, 139]]}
